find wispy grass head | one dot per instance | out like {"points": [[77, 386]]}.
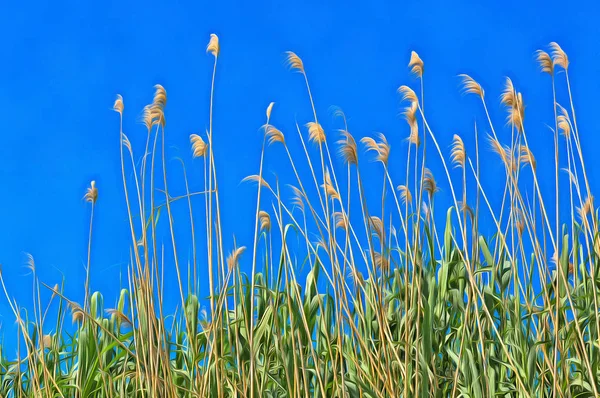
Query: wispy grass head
{"points": [[405, 194], [274, 135], [348, 150], [269, 109], [91, 193], [265, 221], [118, 106], [410, 115], [213, 45], [416, 64], [429, 183], [458, 154], [234, 257], [159, 103], [258, 179], [527, 157], [470, 86], [564, 123], [199, 146], [294, 62], [315, 132], [407, 93], [546, 64], [328, 186], [382, 148], [514, 102], [502, 151], [559, 57]]}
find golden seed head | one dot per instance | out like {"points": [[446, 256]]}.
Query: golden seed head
{"points": [[234, 257], [213, 45], [199, 146], [546, 64], [458, 153], [269, 109], [265, 221], [315, 132], [274, 135], [407, 94], [348, 150], [470, 86], [416, 64], [91, 194], [294, 62], [118, 105], [559, 57]]}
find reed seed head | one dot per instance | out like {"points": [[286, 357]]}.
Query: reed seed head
{"points": [[118, 106], [407, 94], [545, 61], [458, 154], [348, 150], [265, 221], [199, 146], [294, 62], [213, 45], [405, 194], [470, 86], [315, 132], [91, 193], [559, 57], [416, 64], [269, 109], [274, 135], [234, 257]]}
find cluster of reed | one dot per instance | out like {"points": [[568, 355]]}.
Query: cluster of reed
{"points": [[387, 309]]}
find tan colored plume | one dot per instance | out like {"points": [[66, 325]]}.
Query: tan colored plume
{"points": [[377, 226], [157, 110], [340, 220], [348, 150], [546, 64], [564, 123], [294, 62], [297, 198], [382, 148], [470, 86], [500, 150], [527, 157], [234, 257], [213, 45], [265, 221], [118, 106], [91, 193], [315, 132], [429, 184], [416, 64], [258, 179], [559, 57], [329, 188], [410, 115], [199, 146], [407, 94], [269, 109], [274, 135], [47, 341], [458, 153], [405, 194]]}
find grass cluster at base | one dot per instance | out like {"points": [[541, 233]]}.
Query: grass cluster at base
{"points": [[393, 305]]}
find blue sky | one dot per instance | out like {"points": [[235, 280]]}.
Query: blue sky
{"points": [[64, 63]]}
